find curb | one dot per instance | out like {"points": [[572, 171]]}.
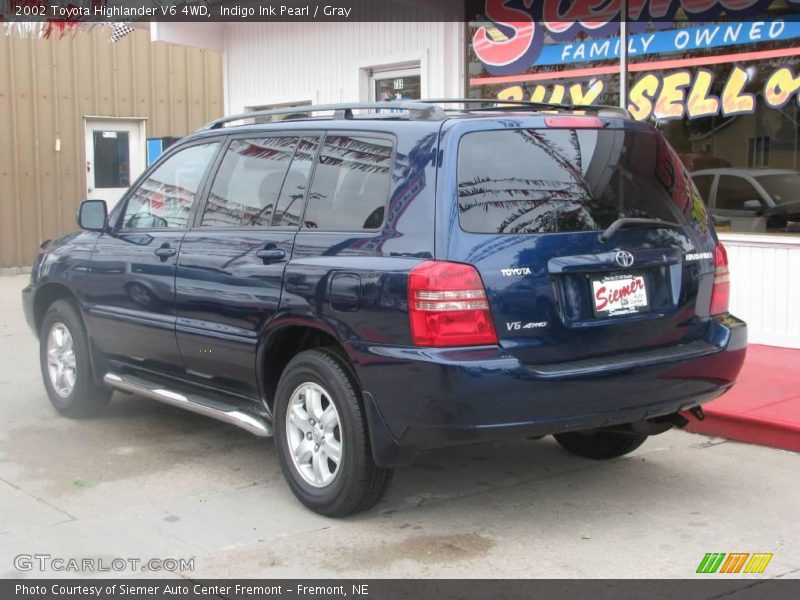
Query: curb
{"points": [[754, 430]]}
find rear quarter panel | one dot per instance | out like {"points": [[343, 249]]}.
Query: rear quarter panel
{"points": [[353, 285]]}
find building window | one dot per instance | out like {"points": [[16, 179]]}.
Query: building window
{"points": [[758, 152], [111, 151], [395, 83]]}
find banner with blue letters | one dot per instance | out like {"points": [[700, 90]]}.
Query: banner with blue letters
{"points": [[687, 39]]}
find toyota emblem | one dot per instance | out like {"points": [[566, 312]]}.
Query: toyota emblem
{"points": [[624, 258]]}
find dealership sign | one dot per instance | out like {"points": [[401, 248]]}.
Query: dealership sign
{"points": [[683, 93], [688, 39], [515, 40], [675, 94], [509, 48]]}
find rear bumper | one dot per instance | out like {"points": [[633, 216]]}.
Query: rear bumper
{"points": [[420, 398]]}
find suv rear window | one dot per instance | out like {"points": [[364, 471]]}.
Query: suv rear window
{"points": [[552, 180]]}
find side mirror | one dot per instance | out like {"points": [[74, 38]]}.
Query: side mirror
{"points": [[93, 215], [752, 205]]}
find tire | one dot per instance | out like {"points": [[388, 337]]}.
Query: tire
{"points": [[309, 443], [600, 445], [75, 393]]}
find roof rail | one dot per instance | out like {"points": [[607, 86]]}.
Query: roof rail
{"points": [[498, 104], [417, 111]]}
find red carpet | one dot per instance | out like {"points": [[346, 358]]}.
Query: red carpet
{"points": [[764, 405]]}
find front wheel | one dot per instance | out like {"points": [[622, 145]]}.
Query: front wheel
{"points": [[65, 363], [321, 436], [600, 445]]}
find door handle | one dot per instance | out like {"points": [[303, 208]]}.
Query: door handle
{"points": [[270, 254], [165, 252]]}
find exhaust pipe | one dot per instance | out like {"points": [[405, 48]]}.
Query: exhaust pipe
{"points": [[697, 412], [652, 426], [676, 419]]}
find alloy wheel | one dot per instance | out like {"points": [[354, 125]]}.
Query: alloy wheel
{"points": [[61, 360], [314, 434]]}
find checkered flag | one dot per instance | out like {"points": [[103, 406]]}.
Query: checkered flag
{"points": [[120, 31]]}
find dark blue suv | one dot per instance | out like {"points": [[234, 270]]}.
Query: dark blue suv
{"points": [[370, 280]]}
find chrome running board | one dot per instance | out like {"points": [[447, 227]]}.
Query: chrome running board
{"points": [[196, 404]]}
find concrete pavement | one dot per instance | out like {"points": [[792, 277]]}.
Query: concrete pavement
{"points": [[149, 481]]}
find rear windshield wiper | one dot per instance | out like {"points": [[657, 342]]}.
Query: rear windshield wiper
{"points": [[634, 222]]}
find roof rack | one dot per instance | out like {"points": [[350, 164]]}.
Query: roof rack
{"points": [[498, 104], [417, 111]]}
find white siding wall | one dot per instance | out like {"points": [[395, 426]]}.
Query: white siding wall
{"points": [[272, 63], [765, 287]]}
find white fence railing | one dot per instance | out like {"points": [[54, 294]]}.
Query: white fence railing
{"points": [[765, 286]]}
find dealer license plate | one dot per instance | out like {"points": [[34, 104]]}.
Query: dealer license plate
{"points": [[620, 294]]}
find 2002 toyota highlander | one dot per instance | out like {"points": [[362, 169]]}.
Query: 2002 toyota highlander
{"points": [[371, 280]]}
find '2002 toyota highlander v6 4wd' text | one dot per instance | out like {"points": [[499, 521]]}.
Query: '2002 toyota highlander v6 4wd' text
{"points": [[368, 284]]}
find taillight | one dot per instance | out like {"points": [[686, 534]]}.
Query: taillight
{"points": [[447, 306], [573, 122], [721, 293]]}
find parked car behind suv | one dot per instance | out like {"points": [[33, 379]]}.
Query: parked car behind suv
{"points": [[365, 286], [752, 199]]}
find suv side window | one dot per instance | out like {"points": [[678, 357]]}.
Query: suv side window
{"points": [[248, 182], [164, 200], [732, 192], [351, 184], [292, 199]]}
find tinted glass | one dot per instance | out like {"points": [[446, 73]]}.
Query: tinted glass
{"points": [[351, 184], [292, 199], [703, 183], [733, 192], [248, 182], [782, 188], [112, 168], [551, 180], [165, 198]]}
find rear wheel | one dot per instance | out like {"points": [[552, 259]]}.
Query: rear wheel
{"points": [[600, 445], [66, 367], [321, 436]]}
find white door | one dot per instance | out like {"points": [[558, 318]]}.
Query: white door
{"points": [[115, 156]]}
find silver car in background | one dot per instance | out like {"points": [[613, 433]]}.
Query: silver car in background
{"points": [[751, 200]]}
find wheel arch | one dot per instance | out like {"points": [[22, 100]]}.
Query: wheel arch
{"points": [[46, 295], [285, 341], [44, 298]]}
